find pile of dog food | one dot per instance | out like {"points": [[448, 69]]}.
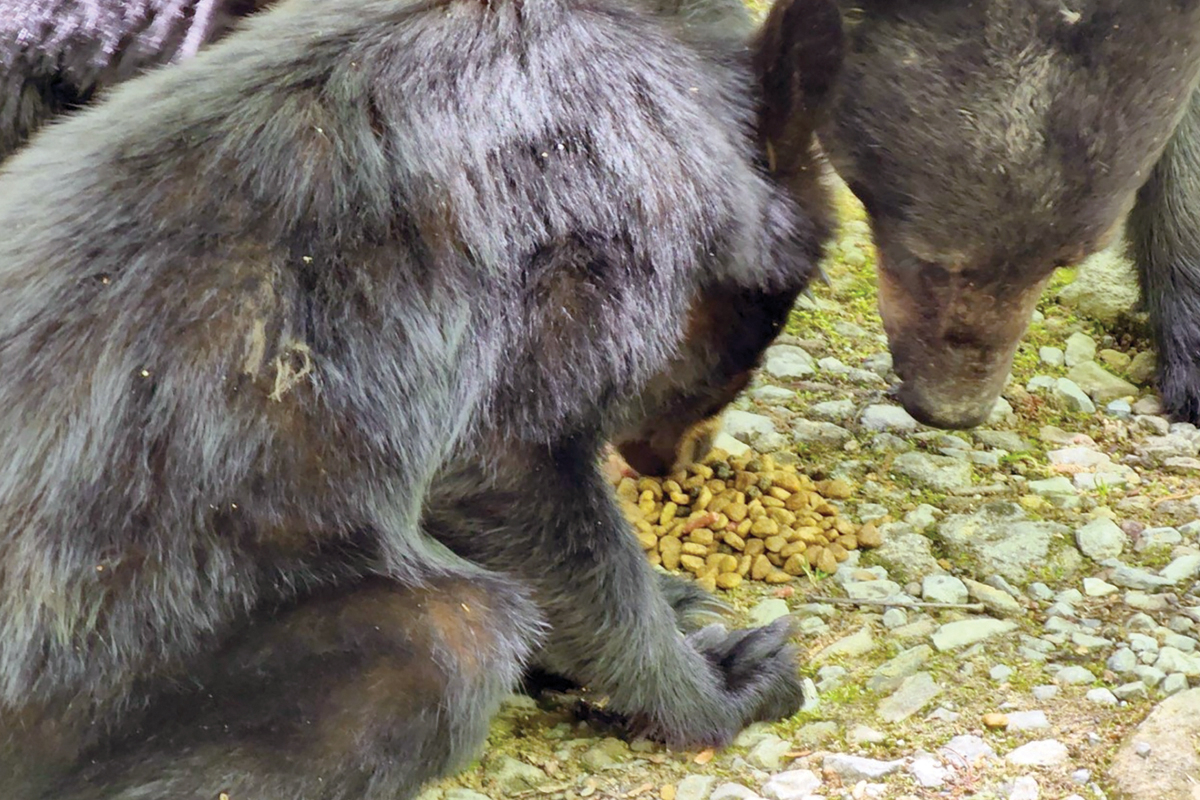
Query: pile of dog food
{"points": [[733, 518]]}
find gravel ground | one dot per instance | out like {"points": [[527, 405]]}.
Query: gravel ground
{"points": [[1032, 599]]}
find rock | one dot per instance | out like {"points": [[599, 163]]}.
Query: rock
{"points": [[1148, 675], [459, 793], [791, 785], [966, 749], [1081, 348], [605, 755], [1072, 398], [1121, 409], [1102, 696], [856, 768], [1048, 487], [1106, 287], [746, 426], [823, 433], [767, 611], [922, 517], [927, 771], [815, 733], [833, 366], [940, 473], [861, 734], [1174, 683], [915, 692], [1044, 694], [856, 644], [723, 441], [889, 675], [887, 418], [1024, 788], [1052, 356], [733, 791], [1094, 587], [1001, 412], [907, 556], [695, 787], [785, 361], [1182, 465], [1159, 761], [966, 632], [1133, 577], [994, 600], [833, 410], [1142, 368], [1000, 673], [1100, 384], [873, 590], [1171, 660], [509, 776], [1074, 676], [1041, 753], [772, 395], [1000, 539], [829, 678], [1028, 720], [1114, 358], [1181, 569], [1001, 440], [894, 618], [943, 589], [1134, 690], [1122, 662], [1100, 539], [768, 753]]}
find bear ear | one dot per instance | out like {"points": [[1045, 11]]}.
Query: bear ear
{"points": [[797, 57]]}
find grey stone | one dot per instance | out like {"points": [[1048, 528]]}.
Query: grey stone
{"points": [[966, 750], [922, 517], [1052, 486], [768, 753], [861, 734], [509, 776], [907, 556], [943, 589], [856, 644], [1052, 356], [1190, 529], [1102, 696], [1044, 693], [1122, 662], [1150, 676], [1185, 644], [1074, 676], [966, 632], [856, 768], [791, 785], [605, 755], [1145, 602], [1040, 383], [927, 771], [746, 426], [1040, 591], [788, 361], [1029, 720], [833, 366], [887, 418], [735, 447], [1000, 539], [1134, 577], [1134, 690], [1121, 409], [459, 793], [889, 675], [772, 394], [1094, 587], [914, 693], [1142, 368], [767, 611], [1100, 384], [815, 733], [1181, 569], [695, 787], [1174, 683], [1080, 348], [1000, 673], [994, 600], [1024, 788], [1089, 641], [1072, 398], [1100, 539], [1041, 753], [1002, 440], [894, 618], [823, 433], [1140, 643], [940, 473], [873, 590], [1106, 286], [880, 363], [833, 410], [830, 677], [1159, 760], [733, 791], [1158, 537], [1172, 660]]}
